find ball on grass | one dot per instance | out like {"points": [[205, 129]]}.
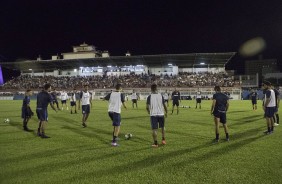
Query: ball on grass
{"points": [[6, 120]]}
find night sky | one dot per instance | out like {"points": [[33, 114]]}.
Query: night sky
{"points": [[32, 28]]}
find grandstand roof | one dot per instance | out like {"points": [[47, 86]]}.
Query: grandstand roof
{"points": [[180, 60]]}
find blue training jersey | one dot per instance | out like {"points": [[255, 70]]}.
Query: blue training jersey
{"points": [[221, 101], [43, 100], [26, 101]]}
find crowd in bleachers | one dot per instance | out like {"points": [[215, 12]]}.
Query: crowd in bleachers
{"points": [[184, 79]]}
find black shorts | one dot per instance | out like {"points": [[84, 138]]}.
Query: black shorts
{"points": [[134, 100], [85, 109], [42, 114], [64, 101], [269, 112], [254, 102], [221, 115], [116, 118], [157, 122], [73, 103], [26, 112], [175, 103], [166, 101], [198, 100]]}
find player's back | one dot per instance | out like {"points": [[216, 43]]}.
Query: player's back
{"points": [[221, 101], [43, 99]]}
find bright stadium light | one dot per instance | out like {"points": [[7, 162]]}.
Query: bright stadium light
{"points": [[109, 66], [202, 63], [30, 69], [169, 64], [75, 70]]}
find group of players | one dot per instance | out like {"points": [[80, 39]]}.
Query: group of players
{"points": [[156, 106]]}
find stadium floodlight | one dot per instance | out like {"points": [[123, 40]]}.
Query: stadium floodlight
{"points": [[30, 69], [202, 63], [75, 70], [109, 66], [139, 65], [169, 64]]}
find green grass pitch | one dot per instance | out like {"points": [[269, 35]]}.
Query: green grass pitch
{"points": [[83, 155]]}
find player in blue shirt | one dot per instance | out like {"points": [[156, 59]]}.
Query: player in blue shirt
{"points": [[276, 115], [43, 100], [254, 97], [219, 108], [26, 110], [175, 96]]}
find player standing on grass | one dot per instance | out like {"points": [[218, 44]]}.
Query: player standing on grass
{"points": [[175, 96], [219, 108], [64, 98], [85, 101], [134, 98], [198, 99], [54, 98], [43, 100], [254, 97], [166, 97], [157, 109], [26, 110], [269, 106], [276, 115], [116, 99], [73, 101]]}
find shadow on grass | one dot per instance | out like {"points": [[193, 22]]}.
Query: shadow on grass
{"points": [[245, 120]]}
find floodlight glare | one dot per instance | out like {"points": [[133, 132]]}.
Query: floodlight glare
{"points": [[202, 63]]}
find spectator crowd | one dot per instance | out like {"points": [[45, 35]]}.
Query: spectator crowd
{"points": [[184, 79]]}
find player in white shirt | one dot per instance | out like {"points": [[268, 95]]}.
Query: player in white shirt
{"points": [[86, 102], [166, 97], [157, 109], [198, 99], [134, 98], [269, 106], [64, 97], [116, 99]]}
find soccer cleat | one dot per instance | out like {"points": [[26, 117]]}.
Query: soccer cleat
{"points": [[155, 145], [227, 139], [84, 125], [163, 142], [26, 129], [114, 144], [38, 134], [276, 124], [267, 132], [215, 141], [43, 136]]}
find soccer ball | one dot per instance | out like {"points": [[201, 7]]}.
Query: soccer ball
{"points": [[6, 120], [128, 136]]}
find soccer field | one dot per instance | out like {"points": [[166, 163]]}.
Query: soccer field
{"points": [[83, 155]]}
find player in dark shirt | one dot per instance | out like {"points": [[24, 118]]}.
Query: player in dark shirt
{"points": [[26, 110], [175, 96], [54, 95], [218, 110], [276, 115], [253, 97], [43, 100]]}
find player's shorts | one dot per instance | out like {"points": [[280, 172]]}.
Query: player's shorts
{"points": [[134, 100], [276, 109], [73, 103], [42, 114], [64, 101], [85, 109], [166, 101], [116, 118], [55, 101], [269, 112], [254, 102], [175, 103], [157, 122], [198, 100], [221, 115], [26, 113]]}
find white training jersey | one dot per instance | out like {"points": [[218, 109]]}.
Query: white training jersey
{"points": [[133, 96], [73, 97], [64, 96], [115, 102], [198, 95], [155, 102], [165, 95], [270, 94], [85, 98]]}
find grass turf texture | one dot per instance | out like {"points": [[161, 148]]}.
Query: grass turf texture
{"points": [[83, 155]]}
